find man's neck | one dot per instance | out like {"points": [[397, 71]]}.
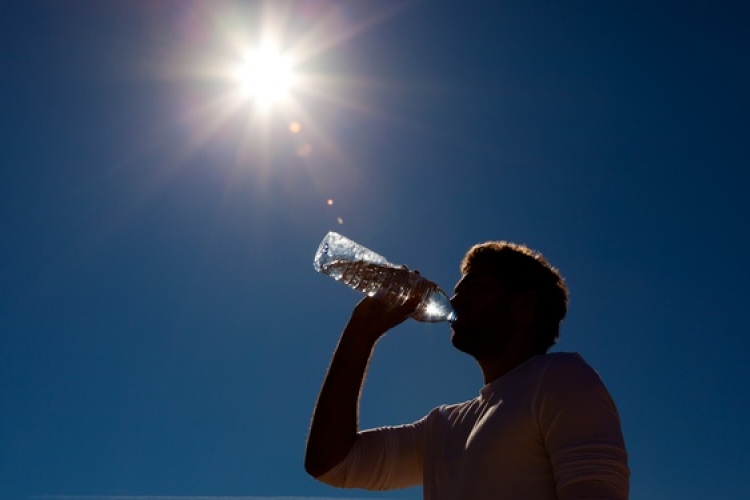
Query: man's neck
{"points": [[496, 367]]}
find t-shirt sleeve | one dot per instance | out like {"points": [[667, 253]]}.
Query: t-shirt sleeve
{"points": [[582, 432], [382, 459]]}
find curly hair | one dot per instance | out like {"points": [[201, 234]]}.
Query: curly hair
{"points": [[522, 269]]}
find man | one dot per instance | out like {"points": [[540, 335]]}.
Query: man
{"points": [[543, 427]]}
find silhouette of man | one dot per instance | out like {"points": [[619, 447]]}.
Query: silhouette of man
{"points": [[543, 427]]}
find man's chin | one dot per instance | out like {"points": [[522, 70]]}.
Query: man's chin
{"points": [[460, 340]]}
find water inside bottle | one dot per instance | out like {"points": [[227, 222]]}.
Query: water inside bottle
{"points": [[393, 285], [369, 278]]}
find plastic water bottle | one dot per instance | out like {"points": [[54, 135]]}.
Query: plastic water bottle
{"points": [[368, 272]]}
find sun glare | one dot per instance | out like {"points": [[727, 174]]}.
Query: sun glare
{"points": [[266, 76], [251, 68]]}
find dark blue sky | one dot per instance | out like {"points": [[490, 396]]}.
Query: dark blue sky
{"points": [[162, 330]]}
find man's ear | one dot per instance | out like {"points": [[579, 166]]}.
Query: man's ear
{"points": [[523, 305]]}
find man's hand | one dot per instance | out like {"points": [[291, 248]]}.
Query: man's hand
{"points": [[372, 318]]}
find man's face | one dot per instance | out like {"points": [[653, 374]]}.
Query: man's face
{"points": [[484, 321]]}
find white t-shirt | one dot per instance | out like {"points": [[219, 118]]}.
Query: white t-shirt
{"points": [[547, 425]]}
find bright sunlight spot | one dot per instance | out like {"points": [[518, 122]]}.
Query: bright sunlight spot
{"points": [[266, 76], [250, 69]]}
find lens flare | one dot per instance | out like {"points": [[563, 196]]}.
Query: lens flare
{"points": [[266, 76]]}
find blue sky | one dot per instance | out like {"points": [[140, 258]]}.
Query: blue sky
{"points": [[162, 330]]}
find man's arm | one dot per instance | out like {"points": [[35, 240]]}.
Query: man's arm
{"points": [[335, 419], [582, 432]]}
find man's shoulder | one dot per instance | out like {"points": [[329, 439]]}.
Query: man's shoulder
{"points": [[567, 368], [562, 361], [551, 361], [563, 356]]}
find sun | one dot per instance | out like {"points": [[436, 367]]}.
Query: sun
{"points": [[252, 69], [265, 76]]}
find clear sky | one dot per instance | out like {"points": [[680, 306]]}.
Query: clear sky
{"points": [[162, 330]]}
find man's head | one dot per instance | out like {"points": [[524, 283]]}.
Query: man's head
{"points": [[508, 287]]}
